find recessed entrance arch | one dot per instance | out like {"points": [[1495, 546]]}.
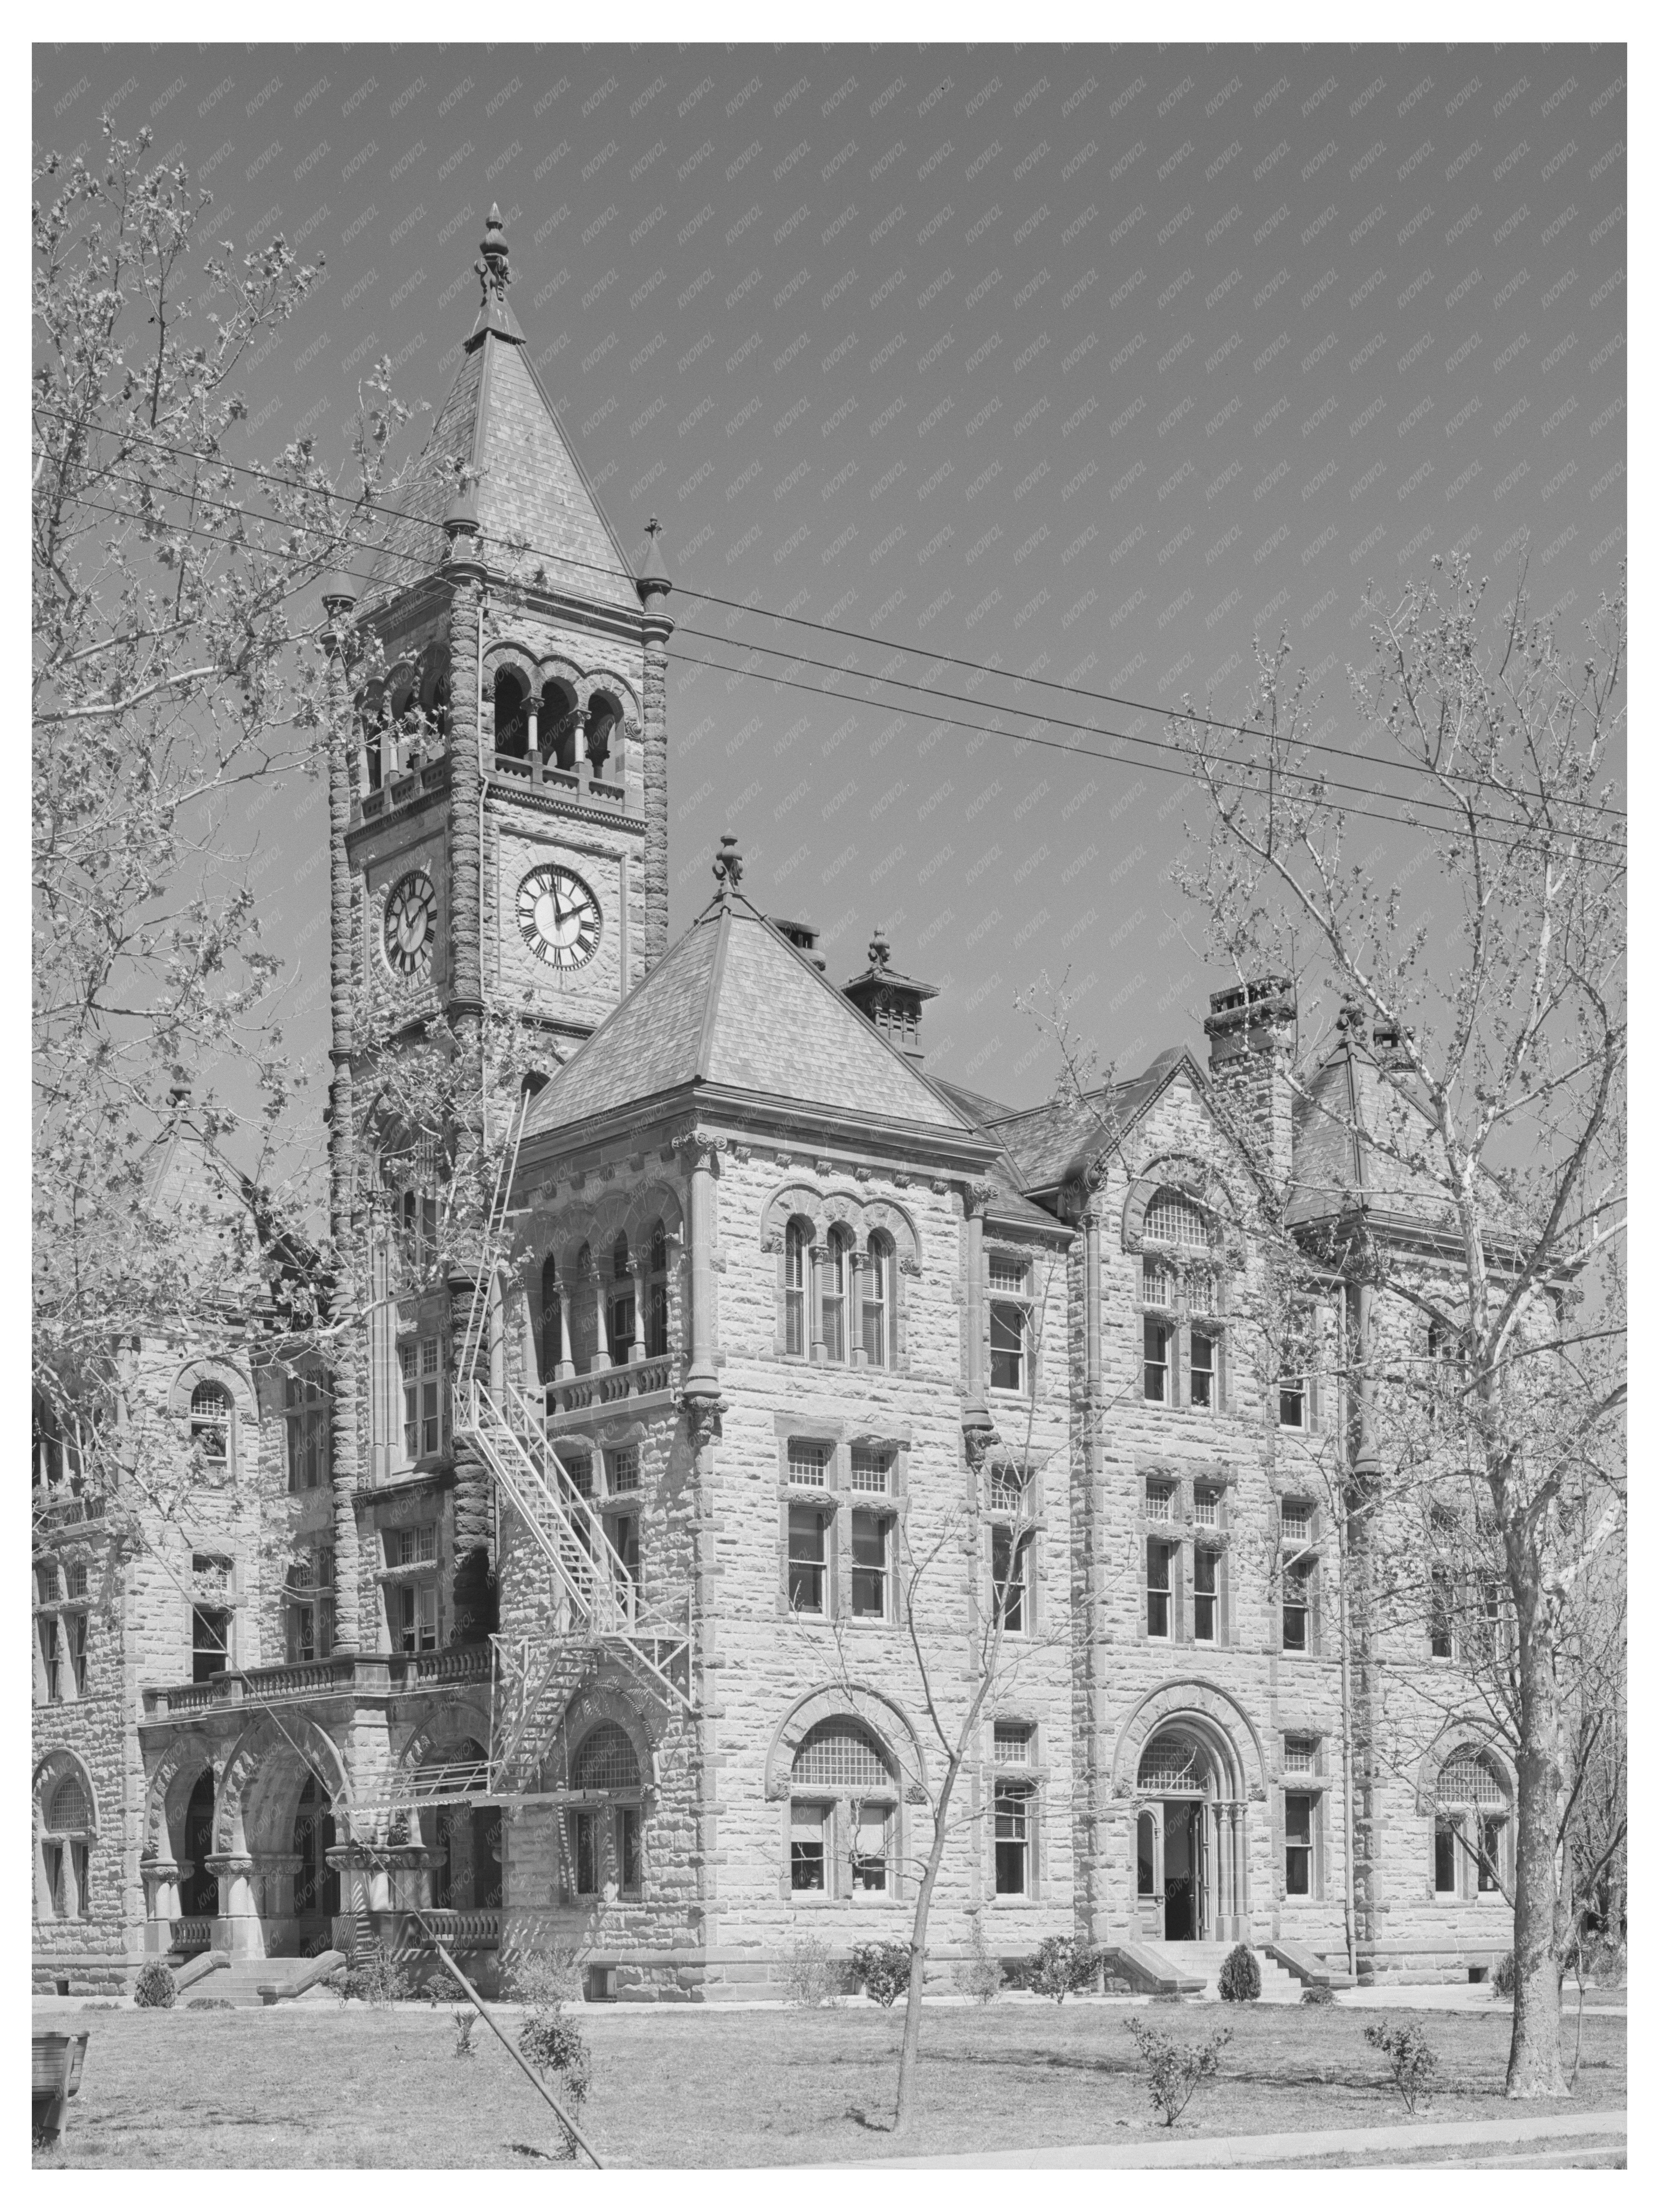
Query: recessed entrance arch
{"points": [[1190, 1835]]}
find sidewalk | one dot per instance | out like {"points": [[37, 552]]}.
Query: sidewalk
{"points": [[1601, 2131]]}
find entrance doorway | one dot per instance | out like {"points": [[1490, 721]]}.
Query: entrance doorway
{"points": [[1183, 1872], [316, 1883]]}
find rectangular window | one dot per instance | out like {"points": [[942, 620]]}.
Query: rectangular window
{"points": [[627, 1849], [1009, 1570], [1445, 1859], [1155, 1366], [794, 1293], [1204, 1594], [1203, 1369], [580, 1468], [808, 1859], [209, 1643], [808, 1462], [1201, 1290], [625, 1542], [1488, 1875], [623, 1468], [1008, 1488], [1440, 1612], [417, 1545], [1206, 1507], [1007, 1272], [870, 1539], [870, 1847], [1294, 1520], [834, 1300], [1157, 1284], [1013, 1840], [621, 1325], [53, 1855], [1011, 1743], [301, 1634], [806, 1559], [418, 1606], [656, 1336], [1008, 1326], [1295, 1609], [1298, 1754], [1157, 1587], [306, 1421], [52, 1654], [1298, 1845], [1292, 1406], [585, 1849], [75, 1582], [1160, 1500], [870, 1469], [423, 1423], [47, 1582]]}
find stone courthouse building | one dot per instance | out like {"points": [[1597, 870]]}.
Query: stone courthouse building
{"points": [[604, 1600]]}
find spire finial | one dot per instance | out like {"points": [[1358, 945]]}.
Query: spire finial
{"points": [[493, 271], [728, 867], [880, 951]]}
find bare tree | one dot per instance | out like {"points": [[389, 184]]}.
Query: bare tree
{"points": [[1494, 1005]]}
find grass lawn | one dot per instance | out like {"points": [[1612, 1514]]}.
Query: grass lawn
{"points": [[343, 2086]]}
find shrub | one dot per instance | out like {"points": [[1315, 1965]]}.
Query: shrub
{"points": [[1319, 1993], [375, 1978], [155, 1985], [1411, 2059], [809, 1977], [1241, 1976], [1058, 1966], [545, 1980], [1502, 1976], [554, 2046], [1173, 2069], [883, 1969], [979, 1976], [444, 1988], [209, 2005]]}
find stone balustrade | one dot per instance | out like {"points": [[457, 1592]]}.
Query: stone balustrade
{"points": [[191, 1936], [350, 1674], [608, 1386], [476, 1930]]}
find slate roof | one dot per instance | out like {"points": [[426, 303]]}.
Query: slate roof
{"points": [[1350, 1106], [733, 1005], [499, 421], [1046, 1142]]}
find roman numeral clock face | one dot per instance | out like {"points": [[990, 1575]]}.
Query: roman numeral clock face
{"points": [[411, 927], [559, 917]]}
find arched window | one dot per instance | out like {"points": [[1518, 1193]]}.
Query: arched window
{"points": [[556, 727], [552, 1320], [511, 701], [656, 1317], [1472, 1840], [878, 1300], [795, 1240], [1145, 1854], [843, 1811], [63, 1883], [1173, 1218], [209, 1422], [1175, 1766], [836, 1268], [621, 1297], [605, 1842], [603, 716], [583, 1319]]}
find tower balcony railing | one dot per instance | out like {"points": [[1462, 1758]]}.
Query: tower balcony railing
{"points": [[356, 1673], [586, 780], [609, 1386], [399, 788]]}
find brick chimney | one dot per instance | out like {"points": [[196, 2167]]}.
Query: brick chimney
{"points": [[1252, 1032]]}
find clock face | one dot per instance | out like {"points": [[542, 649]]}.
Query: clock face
{"points": [[559, 917], [411, 926]]}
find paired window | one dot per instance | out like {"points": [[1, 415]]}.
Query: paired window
{"points": [[425, 1397], [1011, 1323], [61, 1632], [306, 1414], [1178, 1283], [1167, 1576], [843, 1813], [412, 1596], [853, 1575], [65, 1892]]}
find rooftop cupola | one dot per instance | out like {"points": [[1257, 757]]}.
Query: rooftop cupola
{"points": [[893, 1002]]}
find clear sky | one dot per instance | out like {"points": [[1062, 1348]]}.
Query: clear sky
{"points": [[1091, 363]]}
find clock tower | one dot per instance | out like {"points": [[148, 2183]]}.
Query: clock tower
{"points": [[507, 829]]}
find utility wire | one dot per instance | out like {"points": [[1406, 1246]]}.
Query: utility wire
{"points": [[770, 614]]}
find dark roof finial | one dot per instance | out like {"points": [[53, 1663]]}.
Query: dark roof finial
{"points": [[728, 867], [495, 274], [880, 951]]}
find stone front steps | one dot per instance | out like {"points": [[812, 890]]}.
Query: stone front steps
{"points": [[246, 1980], [1279, 1986]]}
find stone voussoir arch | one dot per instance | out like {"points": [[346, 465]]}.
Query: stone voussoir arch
{"points": [[60, 1764], [848, 1208], [886, 1720], [1211, 1713], [208, 1369], [591, 1708], [1196, 1178], [167, 1788], [259, 1745], [462, 1719], [1477, 1732]]}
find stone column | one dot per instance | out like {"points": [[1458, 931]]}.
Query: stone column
{"points": [[853, 1314], [640, 1272], [239, 1930], [345, 1410], [701, 1381], [532, 740], [595, 1282], [976, 1409], [161, 1902], [656, 628], [565, 1366], [818, 1257]]}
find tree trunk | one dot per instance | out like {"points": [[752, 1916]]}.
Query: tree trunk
{"points": [[1535, 2038], [911, 2046]]}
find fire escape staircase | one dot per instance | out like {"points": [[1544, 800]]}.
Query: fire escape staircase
{"points": [[596, 1605]]}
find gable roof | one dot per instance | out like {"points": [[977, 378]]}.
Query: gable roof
{"points": [[734, 1006], [500, 425], [1050, 1143]]}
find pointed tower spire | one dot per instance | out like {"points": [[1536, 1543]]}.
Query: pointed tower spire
{"points": [[494, 313]]}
